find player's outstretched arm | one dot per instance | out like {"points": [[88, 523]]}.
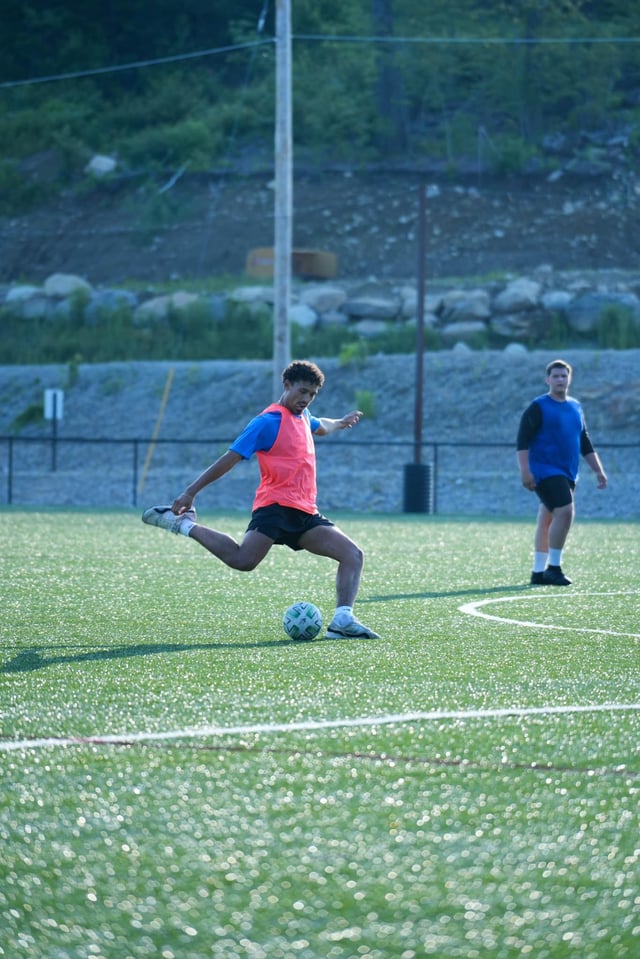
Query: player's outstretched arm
{"points": [[344, 423]]}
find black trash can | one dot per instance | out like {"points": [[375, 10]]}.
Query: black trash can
{"points": [[418, 488]]}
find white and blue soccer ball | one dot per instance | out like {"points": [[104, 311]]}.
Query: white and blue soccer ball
{"points": [[302, 621]]}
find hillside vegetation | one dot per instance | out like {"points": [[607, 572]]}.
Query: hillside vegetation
{"points": [[449, 86]]}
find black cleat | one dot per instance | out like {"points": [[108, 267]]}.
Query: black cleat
{"points": [[537, 579], [553, 576]]}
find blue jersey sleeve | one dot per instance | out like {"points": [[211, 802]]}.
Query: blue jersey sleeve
{"points": [[260, 433], [314, 421]]}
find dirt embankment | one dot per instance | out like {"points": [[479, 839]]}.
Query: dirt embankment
{"points": [[205, 226]]}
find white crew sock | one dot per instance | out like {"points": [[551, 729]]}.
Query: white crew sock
{"points": [[343, 615], [555, 557], [186, 526], [539, 562]]}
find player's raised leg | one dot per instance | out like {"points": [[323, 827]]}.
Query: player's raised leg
{"points": [[243, 556]]}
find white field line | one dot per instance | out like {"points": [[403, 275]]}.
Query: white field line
{"points": [[203, 732], [473, 609]]}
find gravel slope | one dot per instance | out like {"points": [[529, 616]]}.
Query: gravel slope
{"points": [[468, 398]]}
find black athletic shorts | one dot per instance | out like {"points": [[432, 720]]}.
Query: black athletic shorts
{"points": [[285, 525], [555, 491]]}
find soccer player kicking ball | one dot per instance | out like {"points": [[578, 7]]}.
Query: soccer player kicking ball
{"points": [[284, 508], [551, 438]]}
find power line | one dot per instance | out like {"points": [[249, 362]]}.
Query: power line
{"points": [[135, 65], [323, 38], [443, 41]]}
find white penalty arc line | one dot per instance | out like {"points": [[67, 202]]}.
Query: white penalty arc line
{"points": [[312, 725], [473, 609]]}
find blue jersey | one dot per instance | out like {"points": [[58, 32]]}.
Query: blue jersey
{"points": [[555, 434], [260, 433]]}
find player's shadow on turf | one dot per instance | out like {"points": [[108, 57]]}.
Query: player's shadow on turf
{"points": [[442, 594], [30, 660]]}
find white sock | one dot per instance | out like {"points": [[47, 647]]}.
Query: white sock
{"points": [[186, 526], [539, 562], [555, 557], [343, 614]]}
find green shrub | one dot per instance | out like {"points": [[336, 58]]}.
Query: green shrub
{"points": [[33, 414], [355, 352], [73, 370], [188, 142], [18, 194], [618, 329], [366, 403], [326, 340]]}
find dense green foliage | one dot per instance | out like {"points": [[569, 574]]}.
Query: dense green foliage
{"points": [[193, 85]]}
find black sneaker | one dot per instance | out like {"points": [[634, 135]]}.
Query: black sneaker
{"points": [[537, 579], [553, 576]]}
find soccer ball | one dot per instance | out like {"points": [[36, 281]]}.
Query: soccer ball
{"points": [[302, 621]]}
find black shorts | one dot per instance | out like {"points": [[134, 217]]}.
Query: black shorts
{"points": [[555, 491], [285, 525]]}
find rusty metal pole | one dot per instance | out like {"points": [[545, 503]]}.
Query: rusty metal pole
{"points": [[422, 281], [418, 486]]}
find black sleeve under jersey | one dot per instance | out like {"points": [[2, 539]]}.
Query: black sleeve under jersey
{"points": [[586, 446], [530, 423]]}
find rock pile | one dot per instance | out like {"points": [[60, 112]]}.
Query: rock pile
{"points": [[518, 309]]}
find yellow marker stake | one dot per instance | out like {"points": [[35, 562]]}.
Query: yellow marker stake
{"points": [[152, 444]]}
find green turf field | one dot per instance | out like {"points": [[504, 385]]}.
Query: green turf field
{"points": [[179, 780]]}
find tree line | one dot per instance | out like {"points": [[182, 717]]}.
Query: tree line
{"points": [[442, 81]]}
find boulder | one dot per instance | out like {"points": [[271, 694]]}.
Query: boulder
{"points": [[519, 326], [18, 294], [374, 301], [585, 311], [556, 301], [518, 295], [105, 302], [322, 298], [464, 330], [100, 165], [458, 306], [157, 309], [303, 315], [252, 294], [371, 328], [65, 284]]}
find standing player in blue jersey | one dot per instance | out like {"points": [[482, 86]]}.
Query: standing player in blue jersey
{"points": [[284, 507], [551, 438]]}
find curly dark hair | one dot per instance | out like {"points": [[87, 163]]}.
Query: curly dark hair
{"points": [[303, 371]]}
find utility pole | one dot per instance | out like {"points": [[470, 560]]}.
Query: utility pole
{"points": [[283, 197]]}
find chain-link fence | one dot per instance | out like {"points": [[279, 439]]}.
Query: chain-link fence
{"points": [[467, 479]]}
